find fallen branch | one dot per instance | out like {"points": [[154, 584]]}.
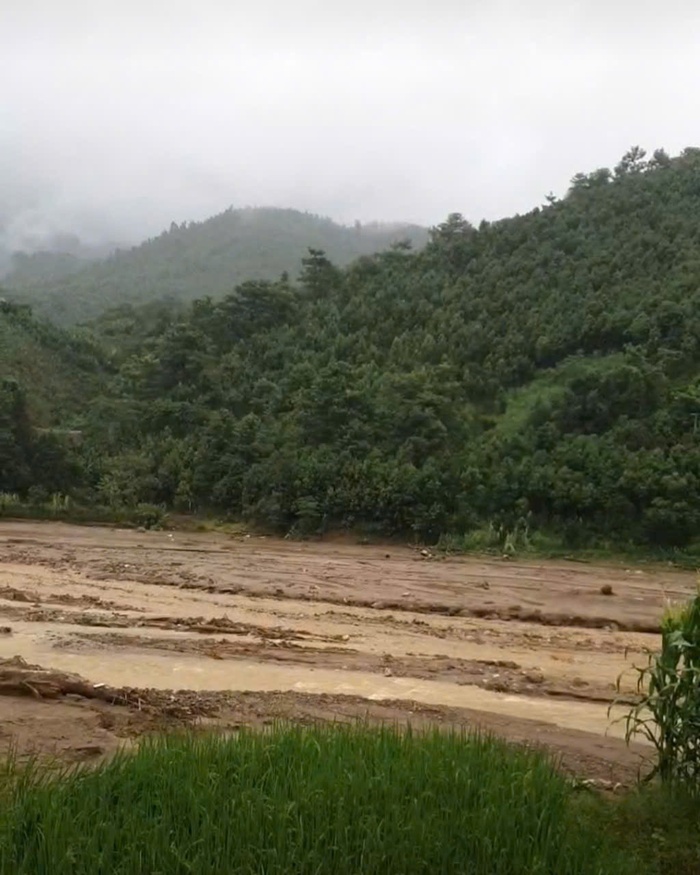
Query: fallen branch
{"points": [[19, 678]]}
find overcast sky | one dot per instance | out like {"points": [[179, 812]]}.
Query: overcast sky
{"points": [[118, 116]]}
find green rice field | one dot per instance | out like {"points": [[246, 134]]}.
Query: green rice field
{"points": [[308, 801]]}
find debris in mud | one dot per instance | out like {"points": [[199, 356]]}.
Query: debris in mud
{"points": [[12, 594], [19, 678], [90, 750], [596, 784], [606, 589], [214, 625], [496, 684], [5, 630], [38, 614], [17, 595]]}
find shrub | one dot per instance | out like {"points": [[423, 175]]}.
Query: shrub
{"points": [[150, 516]]}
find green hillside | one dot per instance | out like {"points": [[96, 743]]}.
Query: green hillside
{"points": [[539, 374], [48, 379], [58, 372], [195, 260]]}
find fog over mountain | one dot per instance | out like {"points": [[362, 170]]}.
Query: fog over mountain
{"points": [[117, 119]]}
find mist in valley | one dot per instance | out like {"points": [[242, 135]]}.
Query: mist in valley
{"points": [[118, 120]]}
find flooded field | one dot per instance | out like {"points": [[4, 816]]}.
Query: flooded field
{"points": [[229, 631]]}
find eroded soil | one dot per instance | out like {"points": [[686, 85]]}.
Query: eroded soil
{"points": [[249, 630]]}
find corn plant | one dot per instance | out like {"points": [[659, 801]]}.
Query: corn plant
{"points": [[8, 500], [668, 711], [60, 502]]}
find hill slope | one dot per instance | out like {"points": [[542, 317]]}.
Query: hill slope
{"points": [[57, 373], [196, 260], [539, 374], [31, 269]]}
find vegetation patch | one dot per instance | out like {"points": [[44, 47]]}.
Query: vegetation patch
{"points": [[303, 800], [668, 712], [525, 384]]}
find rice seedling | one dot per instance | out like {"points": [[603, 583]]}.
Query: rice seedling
{"points": [[341, 800]]}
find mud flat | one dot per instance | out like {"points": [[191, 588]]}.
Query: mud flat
{"points": [[216, 630]]}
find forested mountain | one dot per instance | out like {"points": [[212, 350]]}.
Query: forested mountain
{"points": [[536, 374], [194, 260], [49, 257]]}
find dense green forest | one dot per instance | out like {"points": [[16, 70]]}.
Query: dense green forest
{"points": [[46, 376], [193, 260], [534, 376]]}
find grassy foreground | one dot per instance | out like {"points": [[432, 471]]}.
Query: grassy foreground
{"points": [[335, 800], [293, 800]]}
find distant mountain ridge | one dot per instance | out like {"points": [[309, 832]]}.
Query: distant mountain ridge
{"points": [[195, 260], [48, 257]]}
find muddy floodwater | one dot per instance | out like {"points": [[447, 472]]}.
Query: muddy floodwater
{"points": [[267, 628]]}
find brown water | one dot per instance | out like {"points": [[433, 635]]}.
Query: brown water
{"points": [[139, 668]]}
